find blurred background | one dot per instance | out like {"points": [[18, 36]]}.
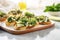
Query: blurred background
{"points": [[30, 4]]}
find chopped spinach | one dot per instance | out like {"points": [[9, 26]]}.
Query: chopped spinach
{"points": [[11, 19]]}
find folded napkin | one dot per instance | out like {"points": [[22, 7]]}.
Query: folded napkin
{"points": [[54, 18]]}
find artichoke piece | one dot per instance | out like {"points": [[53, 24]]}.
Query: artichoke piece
{"points": [[20, 25], [32, 22], [28, 14]]}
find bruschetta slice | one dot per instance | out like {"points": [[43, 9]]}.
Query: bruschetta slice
{"points": [[43, 20], [10, 21], [3, 16]]}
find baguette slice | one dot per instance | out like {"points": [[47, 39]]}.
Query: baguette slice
{"points": [[2, 19]]}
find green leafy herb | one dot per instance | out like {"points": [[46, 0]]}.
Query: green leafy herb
{"points": [[53, 8]]}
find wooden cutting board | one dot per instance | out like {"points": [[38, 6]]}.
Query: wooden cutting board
{"points": [[36, 28]]}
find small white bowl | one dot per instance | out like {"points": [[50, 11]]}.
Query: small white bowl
{"points": [[54, 13]]}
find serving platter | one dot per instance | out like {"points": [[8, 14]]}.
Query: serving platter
{"points": [[17, 32]]}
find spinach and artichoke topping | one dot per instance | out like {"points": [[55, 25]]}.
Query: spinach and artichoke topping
{"points": [[42, 18], [28, 20], [24, 21], [15, 12], [32, 22]]}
